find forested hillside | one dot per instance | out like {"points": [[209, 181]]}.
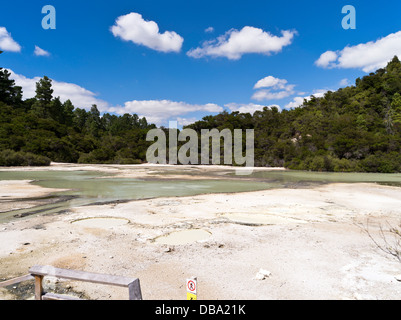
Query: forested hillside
{"points": [[357, 128], [37, 130]]}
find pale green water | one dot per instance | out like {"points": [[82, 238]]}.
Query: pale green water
{"points": [[330, 177], [86, 189]]}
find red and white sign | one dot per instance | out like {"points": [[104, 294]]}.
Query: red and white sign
{"points": [[191, 285]]}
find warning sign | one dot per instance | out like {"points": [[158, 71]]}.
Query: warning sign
{"points": [[191, 285], [191, 288]]}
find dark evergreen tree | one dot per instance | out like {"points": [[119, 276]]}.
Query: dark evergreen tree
{"points": [[44, 94], [9, 92]]}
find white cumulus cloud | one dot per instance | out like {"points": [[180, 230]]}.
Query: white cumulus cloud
{"points": [[155, 111], [40, 52], [271, 81], [249, 108], [368, 56], [160, 111], [268, 95], [276, 89], [79, 96], [7, 43], [344, 82], [327, 59], [186, 121], [295, 103], [299, 101], [132, 27], [235, 43]]}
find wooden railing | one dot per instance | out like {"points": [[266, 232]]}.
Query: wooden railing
{"points": [[37, 273], [16, 280]]}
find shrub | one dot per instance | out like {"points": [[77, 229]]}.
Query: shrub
{"points": [[382, 162], [344, 165], [10, 158]]}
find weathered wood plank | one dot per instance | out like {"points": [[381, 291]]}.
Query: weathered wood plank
{"points": [[55, 296], [81, 276], [133, 285], [16, 280]]}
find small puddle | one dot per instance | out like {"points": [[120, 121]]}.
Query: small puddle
{"points": [[255, 219], [183, 237], [101, 222]]}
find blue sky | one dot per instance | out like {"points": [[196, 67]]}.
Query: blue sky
{"points": [[181, 60]]}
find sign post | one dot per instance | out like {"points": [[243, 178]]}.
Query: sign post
{"points": [[192, 288]]}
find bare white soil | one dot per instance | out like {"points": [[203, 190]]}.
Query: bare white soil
{"points": [[313, 242]]}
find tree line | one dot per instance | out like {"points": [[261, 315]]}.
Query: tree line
{"points": [[357, 128], [42, 129]]}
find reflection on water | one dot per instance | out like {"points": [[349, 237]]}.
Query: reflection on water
{"points": [[85, 187]]}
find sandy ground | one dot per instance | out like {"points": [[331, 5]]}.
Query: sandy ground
{"points": [[13, 191], [22, 189], [312, 241]]}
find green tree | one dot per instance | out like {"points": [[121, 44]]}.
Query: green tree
{"points": [[396, 110], [56, 110], [79, 120], [44, 94], [94, 123], [9, 92], [44, 90], [67, 113]]}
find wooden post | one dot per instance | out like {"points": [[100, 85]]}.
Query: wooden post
{"points": [[38, 287], [134, 290]]}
